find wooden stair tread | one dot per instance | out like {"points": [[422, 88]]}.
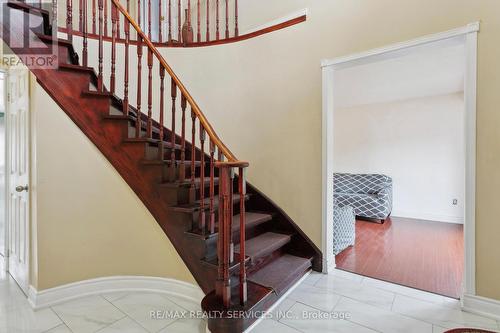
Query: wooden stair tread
{"points": [[264, 244], [213, 263], [280, 273], [50, 39], [187, 183], [77, 68], [256, 295], [169, 162], [96, 93], [132, 118], [189, 208], [166, 144], [252, 219]]}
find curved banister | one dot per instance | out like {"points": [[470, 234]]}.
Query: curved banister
{"points": [[194, 106], [183, 171], [215, 42]]}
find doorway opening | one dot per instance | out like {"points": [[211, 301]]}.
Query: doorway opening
{"points": [[3, 233], [399, 162]]}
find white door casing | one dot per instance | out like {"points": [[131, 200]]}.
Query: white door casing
{"points": [[17, 171], [329, 67]]}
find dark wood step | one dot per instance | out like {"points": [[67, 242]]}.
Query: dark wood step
{"points": [[252, 220], [281, 273], [73, 67], [214, 264], [65, 48], [187, 183], [191, 208], [259, 300], [96, 93], [155, 142], [50, 39], [264, 244], [169, 162], [132, 119]]}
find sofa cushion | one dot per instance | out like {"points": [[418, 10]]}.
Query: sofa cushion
{"points": [[360, 183]]}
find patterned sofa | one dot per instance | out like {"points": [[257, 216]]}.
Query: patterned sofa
{"points": [[344, 228], [370, 195]]}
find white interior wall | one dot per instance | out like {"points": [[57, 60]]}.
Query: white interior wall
{"points": [[418, 142]]}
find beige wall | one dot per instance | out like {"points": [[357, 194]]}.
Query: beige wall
{"points": [[264, 97], [89, 222]]}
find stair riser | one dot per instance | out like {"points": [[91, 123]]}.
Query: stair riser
{"points": [[147, 151], [119, 127], [257, 263], [91, 79], [79, 82], [63, 55], [194, 214], [249, 233], [167, 133], [172, 196], [152, 153], [180, 195], [296, 247], [174, 175]]}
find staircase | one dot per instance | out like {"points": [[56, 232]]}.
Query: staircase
{"points": [[242, 249]]}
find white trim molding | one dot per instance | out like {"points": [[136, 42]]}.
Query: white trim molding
{"points": [[469, 35], [470, 98], [482, 306], [327, 170], [463, 31], [53, 296]]}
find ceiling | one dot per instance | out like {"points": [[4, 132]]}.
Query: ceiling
{"points": [[427, 70]]}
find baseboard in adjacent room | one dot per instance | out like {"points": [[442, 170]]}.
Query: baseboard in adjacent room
{"points": [[429, 217]]}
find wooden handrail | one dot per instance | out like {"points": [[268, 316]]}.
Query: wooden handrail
{"points": [[194, 106], [169, 149], [232, 164]]}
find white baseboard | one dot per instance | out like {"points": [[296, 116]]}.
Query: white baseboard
{"points": [[49, 297], [429, 216], [482, 306]]}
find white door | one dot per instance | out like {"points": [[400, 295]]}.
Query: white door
{"points": [[17, 171]]}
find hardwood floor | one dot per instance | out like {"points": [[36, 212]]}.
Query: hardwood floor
{"points": [[420, 254]]}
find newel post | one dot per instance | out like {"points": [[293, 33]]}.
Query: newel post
{"points": [[225, 248], [223, 287]]}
